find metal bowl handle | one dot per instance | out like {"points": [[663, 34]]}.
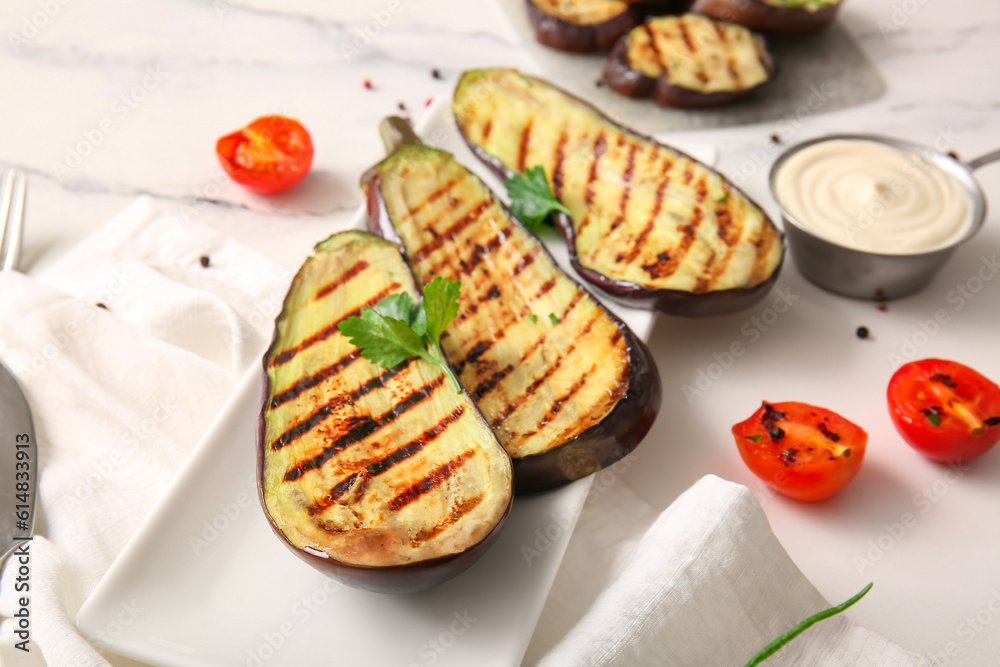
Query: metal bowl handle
{"points": [[983, 160]]}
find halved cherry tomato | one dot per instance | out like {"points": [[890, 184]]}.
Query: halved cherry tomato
{"points": [[946, 411], [804, 452], [270, 155]]}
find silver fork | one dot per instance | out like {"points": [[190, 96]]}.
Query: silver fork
{"points": [[12, 196]]}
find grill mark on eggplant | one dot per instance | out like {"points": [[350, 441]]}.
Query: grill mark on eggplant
{"points": [[665, 263], [487, 385], [557, 405], [431, 481], [522, 149], [317, 378], [702, 283], [657, 56], [759, 272], [577, 297], [479, 251], [724, 222], [434, 196], [550, 369], [359, 428], [600, 144], [734, 73], [324, 411], [627, 179], [451, 232], [457, 512], [344, 278], [384, 464], [321, 335], [526, 260], [545, 288], [557, 178], [640, 240], [686, 36]]}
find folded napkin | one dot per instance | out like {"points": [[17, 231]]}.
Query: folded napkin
{"points": [[126, 349], [706, 584]]}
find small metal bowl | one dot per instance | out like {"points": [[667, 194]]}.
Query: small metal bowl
{"points": [[863, 274]]}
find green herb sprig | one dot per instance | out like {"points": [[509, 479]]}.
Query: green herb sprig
{"points": [[531, 198], [397, 328], [801, 627]]}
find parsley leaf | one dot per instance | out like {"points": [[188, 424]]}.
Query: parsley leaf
{"points": [[397, 328], [441, 305], [531, 198]]}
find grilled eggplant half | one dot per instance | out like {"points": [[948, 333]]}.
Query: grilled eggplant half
{"points": [[795, 17], [689, 61], [565, 384], [386, 479], [586, 26], [649, 225]]}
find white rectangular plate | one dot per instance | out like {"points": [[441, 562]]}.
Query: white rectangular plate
{"points": [[205, 581]]}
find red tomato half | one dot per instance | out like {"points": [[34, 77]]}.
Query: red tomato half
{"points": [[946, 411], [270, 155], [804, 452]]}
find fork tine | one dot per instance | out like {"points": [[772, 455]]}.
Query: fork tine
{"points": [[12, 219]]}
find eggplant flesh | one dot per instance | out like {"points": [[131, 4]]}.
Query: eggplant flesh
{"points": [[792, 17], [648, 225], [565, 384], [387, 479], [689, 61]]}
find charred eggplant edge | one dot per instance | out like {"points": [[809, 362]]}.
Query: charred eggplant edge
{"points": [[757, 15], [606, 442], [621, 78], [391, 579], [668, 301]]}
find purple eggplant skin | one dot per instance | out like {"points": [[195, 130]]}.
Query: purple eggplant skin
{"points": [[756, 15], [604, 443], [400, 579], [631, 83], [671, 302]]}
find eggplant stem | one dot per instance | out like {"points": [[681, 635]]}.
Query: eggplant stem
{"points": [[397, 132], [801, 627]]}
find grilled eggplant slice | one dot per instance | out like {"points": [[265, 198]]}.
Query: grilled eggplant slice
{"points": [[565, 384], [689, 61], [585, 26], [649, 225], [386, 479], [794, 17]]}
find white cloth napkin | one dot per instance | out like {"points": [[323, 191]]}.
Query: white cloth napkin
{"points": [[121, 392], [706, 584]]}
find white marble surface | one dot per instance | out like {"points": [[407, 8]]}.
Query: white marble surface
{"points": [[106, 99]]}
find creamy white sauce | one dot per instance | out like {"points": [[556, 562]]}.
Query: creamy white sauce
{"points": [[870, 196]]}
